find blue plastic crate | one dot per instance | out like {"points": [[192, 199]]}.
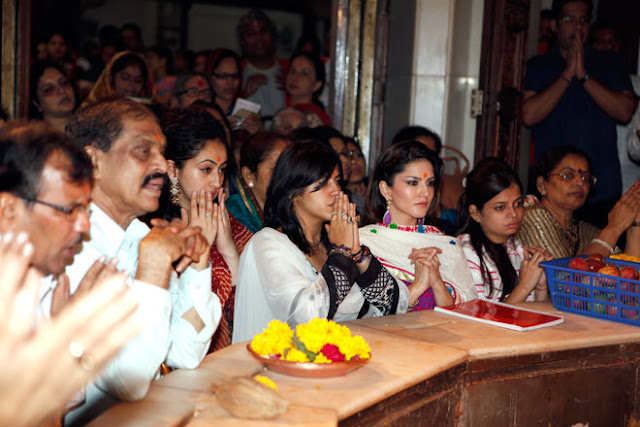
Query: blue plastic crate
{"points": [[593, 294]]}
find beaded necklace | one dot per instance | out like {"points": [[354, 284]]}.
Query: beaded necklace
{"points": [[420, 228]]}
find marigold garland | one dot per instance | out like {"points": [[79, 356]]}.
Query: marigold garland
{"points": [[317, 341]]}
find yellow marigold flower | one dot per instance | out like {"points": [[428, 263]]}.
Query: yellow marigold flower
{"points": [[278, 338], [321, 358], [313, 334], [275, 339], [295, 355], [355, 346], [626, 257], [266, 381]]}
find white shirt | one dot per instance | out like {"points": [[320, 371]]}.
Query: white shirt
{"points": [[269, 95], [169, 338], [276, 281]]}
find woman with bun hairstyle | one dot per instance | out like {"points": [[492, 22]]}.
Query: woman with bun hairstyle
{"points": [[258, 156]]}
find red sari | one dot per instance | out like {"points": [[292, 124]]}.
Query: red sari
{"points": [[221, 285]]}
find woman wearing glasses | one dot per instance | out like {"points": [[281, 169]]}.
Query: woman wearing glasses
{"points": [[564, 179], [223, 68], [190, 88]]}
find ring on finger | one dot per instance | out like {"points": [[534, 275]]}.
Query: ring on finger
{"points": [[343, 215], [85, 360], [334, 216]]}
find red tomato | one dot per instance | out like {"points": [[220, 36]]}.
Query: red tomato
{"points": [[595, 265], [578, 264], [629, 273], [596, 257], [610, 270]]}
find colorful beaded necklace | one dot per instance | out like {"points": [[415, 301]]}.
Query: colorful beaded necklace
{"points": [[420, 228]]}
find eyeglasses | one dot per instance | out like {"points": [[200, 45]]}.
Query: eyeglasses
{"points": [[227, 76], [196, 92], [574, 19], [570, 175], [70, 212]]}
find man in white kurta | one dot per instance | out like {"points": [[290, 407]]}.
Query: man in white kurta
{"points": [[182, 311]]}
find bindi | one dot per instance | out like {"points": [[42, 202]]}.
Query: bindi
{"points": [[219, 159], [425, 175], [200, 83]]}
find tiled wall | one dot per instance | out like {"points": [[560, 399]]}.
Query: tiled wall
{"points": [[446, 65]]}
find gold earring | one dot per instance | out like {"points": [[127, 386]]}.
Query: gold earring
{"points": [[174, 190]]}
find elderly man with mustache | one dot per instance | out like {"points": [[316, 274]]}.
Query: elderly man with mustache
{"points": [[168, 264]]}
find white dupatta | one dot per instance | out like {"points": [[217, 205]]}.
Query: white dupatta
{"points": [[392, 248]]}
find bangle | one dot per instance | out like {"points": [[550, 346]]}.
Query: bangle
{"points": [[342, 250], [361, 256], [565, 79], [604, 244]]}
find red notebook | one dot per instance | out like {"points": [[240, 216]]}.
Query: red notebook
{"points": [[503, 315]]}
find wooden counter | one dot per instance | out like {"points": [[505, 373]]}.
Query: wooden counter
{"points": [[433, 369]]}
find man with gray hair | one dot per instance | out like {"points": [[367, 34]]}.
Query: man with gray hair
{"points": [[287, 120], [169, 263]]}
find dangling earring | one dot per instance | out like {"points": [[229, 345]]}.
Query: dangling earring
{"points": [[250, 184], [420, 221], [386, 219], [174, 191], [421, 225]]}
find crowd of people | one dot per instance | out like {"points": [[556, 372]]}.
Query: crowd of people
{"points": [[152, 225]]}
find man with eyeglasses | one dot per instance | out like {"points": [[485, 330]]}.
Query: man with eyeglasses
{"points": [[576, 95], [168, 263], [45, 190]]}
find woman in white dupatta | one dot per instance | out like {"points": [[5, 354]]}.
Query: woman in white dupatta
{"points": [[400, 195], [307, 261]]}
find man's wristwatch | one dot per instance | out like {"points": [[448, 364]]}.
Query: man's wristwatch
{"points": [[584, 79]]}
